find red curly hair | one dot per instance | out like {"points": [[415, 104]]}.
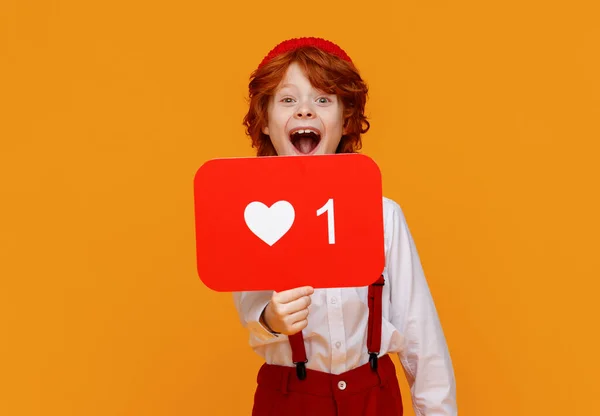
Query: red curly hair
{"points": [[329, 73]]}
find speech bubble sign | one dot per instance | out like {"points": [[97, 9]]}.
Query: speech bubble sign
{"points": [[275, 223]]}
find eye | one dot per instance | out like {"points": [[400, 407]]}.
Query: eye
{"points": [[324, 100], [287, 100]]}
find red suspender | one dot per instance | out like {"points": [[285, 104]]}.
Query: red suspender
{"points": [[298, 354], [373, 332]]}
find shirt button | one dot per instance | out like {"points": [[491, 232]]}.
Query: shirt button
{"points": [[338, 344], [342, 385], [333, 300]]}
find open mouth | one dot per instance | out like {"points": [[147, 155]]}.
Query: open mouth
{"points": [[305, 141]]}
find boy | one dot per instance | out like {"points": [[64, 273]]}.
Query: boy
{"points": [[326, 350]]}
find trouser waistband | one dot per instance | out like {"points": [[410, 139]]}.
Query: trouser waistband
{"points": [[323, 384]]}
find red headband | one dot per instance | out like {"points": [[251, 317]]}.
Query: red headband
{"points": [[291, 44]]}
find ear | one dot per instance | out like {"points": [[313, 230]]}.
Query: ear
{"points": [[265, 130]]}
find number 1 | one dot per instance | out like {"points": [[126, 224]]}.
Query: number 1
{"points": [[330, 219]]}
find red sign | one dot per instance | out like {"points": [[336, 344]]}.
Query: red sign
{"points": [[275, 223]]}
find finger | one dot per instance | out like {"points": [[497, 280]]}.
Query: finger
{"points": [[297, 316], [298, 326], [295, 306], [291, 295]]}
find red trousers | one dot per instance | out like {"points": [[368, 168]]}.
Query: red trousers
{"points": [[358, 392]]}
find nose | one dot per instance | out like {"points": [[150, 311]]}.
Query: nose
{"points": [[304, 112]]}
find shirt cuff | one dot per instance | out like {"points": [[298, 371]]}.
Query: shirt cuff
{"points": [[254, 325]]}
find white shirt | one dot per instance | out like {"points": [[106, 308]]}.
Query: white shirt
{"points": [[336, 335]]}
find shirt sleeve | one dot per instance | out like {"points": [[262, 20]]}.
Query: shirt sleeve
{"points": [[249, 306], [425, 357]]}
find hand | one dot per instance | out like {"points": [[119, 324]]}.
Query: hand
{"points": [[287, 312]]}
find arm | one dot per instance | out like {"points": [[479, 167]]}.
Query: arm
{"points": [[266, 312], [250, 307], [425, 357]]}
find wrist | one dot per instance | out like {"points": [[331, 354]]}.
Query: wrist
{"points": [[263, 321]]}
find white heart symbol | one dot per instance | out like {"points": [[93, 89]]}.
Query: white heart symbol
{"points": [[269, 224]]}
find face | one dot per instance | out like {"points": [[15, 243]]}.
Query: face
{"points": [[301, 119]]}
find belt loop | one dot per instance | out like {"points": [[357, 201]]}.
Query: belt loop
{"points": [[378, 371], [379, 377], [285, 378]]}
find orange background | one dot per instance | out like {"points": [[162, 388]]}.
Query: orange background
{"points": [[485, 123]]}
